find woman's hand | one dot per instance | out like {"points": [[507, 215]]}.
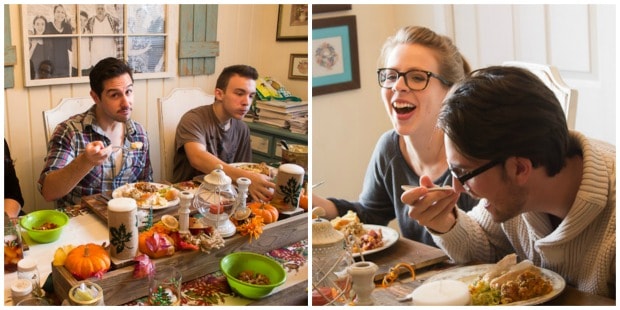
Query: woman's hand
{"points": [[435, 209]]}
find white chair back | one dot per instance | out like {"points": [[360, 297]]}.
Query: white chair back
{"points": [[171, 109], [65, 109], [550, 75]]}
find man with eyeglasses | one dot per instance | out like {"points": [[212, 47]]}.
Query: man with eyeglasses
{"points": [[546, 193]]}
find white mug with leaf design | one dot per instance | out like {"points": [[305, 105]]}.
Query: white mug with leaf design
{"points": [[289, 182], [123, 228]]}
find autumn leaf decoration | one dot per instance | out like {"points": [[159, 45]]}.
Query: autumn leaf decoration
{"points": [[119, 237], [253, 226], [291, 191]]}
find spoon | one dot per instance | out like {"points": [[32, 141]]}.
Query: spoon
{"points": [[432, 189], [284, 144]]}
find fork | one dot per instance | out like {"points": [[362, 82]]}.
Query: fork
{"points": [[118, 147]]}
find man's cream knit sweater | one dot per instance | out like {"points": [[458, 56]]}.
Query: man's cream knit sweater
{"points": [[582, 249]]}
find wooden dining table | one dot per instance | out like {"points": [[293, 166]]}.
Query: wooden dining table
{"points": [[429, 261], [282, 240]]}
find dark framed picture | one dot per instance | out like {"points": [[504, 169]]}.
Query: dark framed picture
{"points": [[62, 43], [298, 67], [292, 22], [324, 8], [335, 58]]}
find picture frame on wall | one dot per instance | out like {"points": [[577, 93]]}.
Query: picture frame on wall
{"points": [[324, 8], [335, 57], [298, 67], [61, 44], [292, 22]]}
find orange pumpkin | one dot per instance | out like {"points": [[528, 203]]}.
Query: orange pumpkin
{"points": [[88, 260], [268, 212], [303, 202], [155, 246]]}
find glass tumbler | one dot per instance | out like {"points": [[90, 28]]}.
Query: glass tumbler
{"points": [[165, 287], [13, 251]]}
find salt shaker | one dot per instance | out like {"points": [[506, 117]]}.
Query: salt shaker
{"points": [[27, 269], [186, 201], [20, 290]]}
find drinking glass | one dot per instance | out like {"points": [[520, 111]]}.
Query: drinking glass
{"points": [[13, 251], [165, 287]]}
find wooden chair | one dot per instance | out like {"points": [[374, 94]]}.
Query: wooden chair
{"points": [[65, 109], [550, 75], [171, 108]]}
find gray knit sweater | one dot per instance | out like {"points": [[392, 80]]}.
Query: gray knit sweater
{"points": [[582, 249]]}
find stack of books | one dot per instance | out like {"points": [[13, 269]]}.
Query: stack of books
{"points": [[285, 114]]}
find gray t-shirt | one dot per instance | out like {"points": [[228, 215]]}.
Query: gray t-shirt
{"points": [[201, 125], [380, 202]]}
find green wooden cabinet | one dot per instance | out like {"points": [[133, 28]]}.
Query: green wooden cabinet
{"points": [[266, 142]]}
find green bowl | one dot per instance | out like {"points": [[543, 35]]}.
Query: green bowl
{"points": [[234, 263], [38, 218]]}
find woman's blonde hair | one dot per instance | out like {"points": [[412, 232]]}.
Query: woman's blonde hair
{"points": [[452, 65]]}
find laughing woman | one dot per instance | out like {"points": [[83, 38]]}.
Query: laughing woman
{"points": [[418, 66]]}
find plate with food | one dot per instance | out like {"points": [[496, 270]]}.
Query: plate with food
{"points": [[368, 238], [148, 194], [376, 238], [261, 168], [497, 284], [189, 186]]}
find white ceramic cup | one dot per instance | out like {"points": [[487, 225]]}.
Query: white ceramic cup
{"points": [[123, 228], [289, 182]]}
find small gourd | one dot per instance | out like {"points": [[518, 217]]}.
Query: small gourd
{"points": [[88, 260], [268, 212]]}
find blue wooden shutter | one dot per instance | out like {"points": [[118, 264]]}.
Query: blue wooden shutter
{"points": [[9, 51], [198, 45]]}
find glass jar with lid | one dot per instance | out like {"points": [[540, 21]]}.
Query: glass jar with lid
{"points": [[27, 269]]}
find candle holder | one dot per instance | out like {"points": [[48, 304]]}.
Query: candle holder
{"points": [[363, 274], [331, 259], [215, 200]]}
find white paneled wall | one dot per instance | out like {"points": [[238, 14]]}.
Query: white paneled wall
{"points": [[578, 39], [246, 34]]}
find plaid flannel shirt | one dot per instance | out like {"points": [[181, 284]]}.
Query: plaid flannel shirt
{"points": [[70, 139]]}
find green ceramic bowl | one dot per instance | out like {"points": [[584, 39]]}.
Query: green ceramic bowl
{"points": [[234, 263], [38, 218]]}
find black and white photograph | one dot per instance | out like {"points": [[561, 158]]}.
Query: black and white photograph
{"points": [[66, 41]]}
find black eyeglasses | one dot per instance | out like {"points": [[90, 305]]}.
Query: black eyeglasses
{"points": [[466, 176], [414, 79]]}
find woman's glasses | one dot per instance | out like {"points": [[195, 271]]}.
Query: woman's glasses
{"points": [[414, 79]]}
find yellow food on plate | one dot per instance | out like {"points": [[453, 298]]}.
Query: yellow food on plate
{"points": [[349, 218], [509, 282], [261, 168]]}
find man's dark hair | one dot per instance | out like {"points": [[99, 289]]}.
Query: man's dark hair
{"points": [[106, 69], [500, 111], [241, 70]]}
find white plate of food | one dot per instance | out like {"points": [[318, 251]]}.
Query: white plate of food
{"points": [[390, 236], [147, 195], [469, 274], [261, 168], [187, 186]]}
